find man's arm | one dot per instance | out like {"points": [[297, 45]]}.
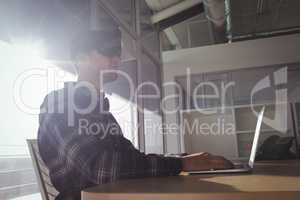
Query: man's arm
{"points": [[106, 159]]}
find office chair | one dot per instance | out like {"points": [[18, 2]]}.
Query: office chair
{"points": [[48, 192]]}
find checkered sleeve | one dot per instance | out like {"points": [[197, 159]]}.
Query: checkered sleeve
{"points": [[133, 163], [107, 159]]}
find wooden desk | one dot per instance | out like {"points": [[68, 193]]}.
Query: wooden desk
{"points": [[278, 180]]}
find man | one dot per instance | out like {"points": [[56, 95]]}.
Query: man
{"points": [[78, 157]]}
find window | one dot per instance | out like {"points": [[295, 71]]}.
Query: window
{"points": [[24, 87], [122, 103], [125, 113]]}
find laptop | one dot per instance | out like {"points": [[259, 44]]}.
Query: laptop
{"points": [[238, 168]]}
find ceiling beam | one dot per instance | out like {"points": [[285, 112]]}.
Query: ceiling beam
{"points": [[173, 10], [172, 37], [169, 32], [166, 18], [279, 32], [182, 16]]}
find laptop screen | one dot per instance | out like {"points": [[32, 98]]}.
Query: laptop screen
{"points": [[256, 136]]}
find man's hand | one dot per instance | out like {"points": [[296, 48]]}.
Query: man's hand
{"points": [[204, 161]]}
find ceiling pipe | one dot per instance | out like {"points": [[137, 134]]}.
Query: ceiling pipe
{"points": [[173, 10], [215, 12], [228, 20], [286, 31]]}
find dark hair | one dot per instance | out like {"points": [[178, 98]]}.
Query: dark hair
{"points": [[107, 43]]}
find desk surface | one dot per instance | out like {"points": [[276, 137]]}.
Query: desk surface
{"points": [[269, 180]]}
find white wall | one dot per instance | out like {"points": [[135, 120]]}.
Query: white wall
{"points": [[252, 53]]}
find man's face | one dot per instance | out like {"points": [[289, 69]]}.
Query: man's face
{"points": [[105, 65]]}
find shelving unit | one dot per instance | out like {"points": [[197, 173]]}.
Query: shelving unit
{"points": [[235, 143]]}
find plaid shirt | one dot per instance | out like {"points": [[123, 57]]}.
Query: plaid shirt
{"points": [[78, 157]]}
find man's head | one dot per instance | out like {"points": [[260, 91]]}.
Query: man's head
{"points": [[96, 51]]}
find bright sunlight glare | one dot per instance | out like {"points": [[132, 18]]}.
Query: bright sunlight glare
{"points": [[29, 54]]}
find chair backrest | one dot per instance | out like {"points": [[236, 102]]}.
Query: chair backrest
{"points": [[48, 192]]}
